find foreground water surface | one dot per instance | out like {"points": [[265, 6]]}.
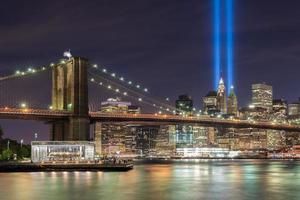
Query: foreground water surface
{"points": [[196, 179]]}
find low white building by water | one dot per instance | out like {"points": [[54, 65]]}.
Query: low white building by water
{"points": [[55, 151]]}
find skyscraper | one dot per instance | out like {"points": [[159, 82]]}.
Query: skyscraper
{"points": [[210, 103], [184, 105], [115, 105], [221, 97], [232, 107], [114, 137], [262, 96], [294, 108], [279, 109]]}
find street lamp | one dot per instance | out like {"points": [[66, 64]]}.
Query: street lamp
{"points": [[35, 136], [22, 143], [8, 144]]}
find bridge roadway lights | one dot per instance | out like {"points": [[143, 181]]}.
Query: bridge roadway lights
{"points": [[61, 120]]}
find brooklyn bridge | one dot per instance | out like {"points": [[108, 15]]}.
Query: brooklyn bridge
{"points": [[70, 114]]}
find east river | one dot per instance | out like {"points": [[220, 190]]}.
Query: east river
{"points": [[190, 179]]}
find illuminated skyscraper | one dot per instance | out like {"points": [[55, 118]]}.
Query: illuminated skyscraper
{"points": [[232, 107], [221, 97], [262, 96], [279, 110], [114, 106], [184, 105], [114, 137], [294, 108], [210, 103]]}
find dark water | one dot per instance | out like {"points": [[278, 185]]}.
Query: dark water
{"points": [[245, 179]]}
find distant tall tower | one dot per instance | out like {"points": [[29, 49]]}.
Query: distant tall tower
{"points": [[232, 106], [221, 97], [184, 105], [262, 96]]}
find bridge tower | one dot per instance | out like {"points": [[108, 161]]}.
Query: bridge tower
{"points": [[70, 93]]}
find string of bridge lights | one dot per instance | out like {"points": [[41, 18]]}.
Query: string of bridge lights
{"points": [[29, 71], [120, 78], [133, 91], [110, 87], [130, 83], [168, 108]]}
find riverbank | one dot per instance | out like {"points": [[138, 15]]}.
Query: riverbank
{"points": [[39, 167], [206, 160]]}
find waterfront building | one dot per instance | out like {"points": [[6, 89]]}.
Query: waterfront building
{"points": [[276, 140], [144, 138], [184, 105], [165, 141], [232, 107], [215, 152], [200, 136], [211, 136], [112, 138], [244, 139], [262, 96], [98, 137], [184, 135], [251, 139], [130, 141], [226, 138], [62, 151], [292, 153], [221, 97], [292, 138]]}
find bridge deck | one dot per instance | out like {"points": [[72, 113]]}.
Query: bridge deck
{"points": [[202, 120], [52, 115]]}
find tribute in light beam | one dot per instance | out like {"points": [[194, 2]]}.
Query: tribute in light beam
{"points": [[229, 39], [217, 41]]}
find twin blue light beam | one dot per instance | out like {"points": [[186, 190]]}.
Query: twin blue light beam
{"points": [[217, 42], [229, 39]]}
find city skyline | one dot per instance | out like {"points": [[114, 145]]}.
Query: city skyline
{"points": [[194, 62], [191, 51], [149, 99]]}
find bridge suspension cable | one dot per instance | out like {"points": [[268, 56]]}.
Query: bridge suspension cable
{"points": [[121, 79], [128, 84], [30, 71], [16, 92], [120, 82], [120, 89]]}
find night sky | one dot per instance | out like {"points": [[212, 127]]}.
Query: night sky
{"points": [[165, 45]]}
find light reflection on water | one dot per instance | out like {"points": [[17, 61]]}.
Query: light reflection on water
{"points": [[244, 179]]}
